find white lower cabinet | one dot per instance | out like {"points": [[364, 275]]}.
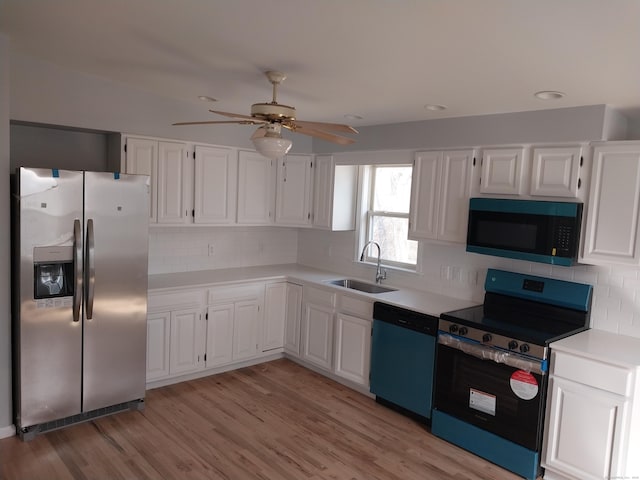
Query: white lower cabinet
{"points": [[174, 334], [292, 319], [317, 326], [185, 352], [275, 312], [593, 410], [234, 317], [353, 348], [158, 337]]}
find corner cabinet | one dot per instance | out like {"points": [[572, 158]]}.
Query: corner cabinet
{"points": [[440, 189], [334, 194], [593, 409], [612, 227], [293, 194], [256, 188]]}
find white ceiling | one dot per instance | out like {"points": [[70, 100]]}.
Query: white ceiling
{"points": [[380, 59]]}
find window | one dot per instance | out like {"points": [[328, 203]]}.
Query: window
{"points": [[387, 216]]}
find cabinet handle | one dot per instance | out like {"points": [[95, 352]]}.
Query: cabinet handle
{"points": [[579, 183]]}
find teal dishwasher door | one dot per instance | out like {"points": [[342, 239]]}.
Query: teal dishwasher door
{"points": [[402, 366]]}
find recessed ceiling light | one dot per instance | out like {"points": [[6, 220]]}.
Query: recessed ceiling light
{"points": [[549, 95], [353, 116], [435, 108], [205, 98]]}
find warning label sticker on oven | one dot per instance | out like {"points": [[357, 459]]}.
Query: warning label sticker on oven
{"points": [[524, 385], [481, 401]]}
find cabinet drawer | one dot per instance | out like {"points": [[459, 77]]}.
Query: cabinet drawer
{"points": [[234, 293], [591, 372], [159, 302], [319, 296], [356, 306]]}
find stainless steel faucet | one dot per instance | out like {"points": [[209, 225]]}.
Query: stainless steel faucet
{"points": [[380, 273]]}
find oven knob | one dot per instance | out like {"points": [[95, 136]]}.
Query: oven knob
{"points": [[512, 345], [486, 338], [463, 331], [453, 328], [524, 348]]}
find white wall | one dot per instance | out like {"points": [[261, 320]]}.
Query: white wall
{"points": [[6, 415], [174, 249]]}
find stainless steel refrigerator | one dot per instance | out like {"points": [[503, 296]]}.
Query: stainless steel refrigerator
{"points": [[80, 243]]}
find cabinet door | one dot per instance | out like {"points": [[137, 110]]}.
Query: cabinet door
{"points": [[317, 332], [175, 177], [158, 335], [453, 208], [185, 353], [246, 325], [142, 159], [323, 191], [353, 348], [583, 427], [612, 227], [216, 178], [425, 192], [255, 189], [220, 334], [556, 171], [293, 196], [293, 314], [275, 312], [502, 171]]}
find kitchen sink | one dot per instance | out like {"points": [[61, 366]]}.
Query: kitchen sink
{"points": [[360, 286]]}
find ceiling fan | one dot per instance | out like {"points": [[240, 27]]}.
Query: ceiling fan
{"points": [[273, 116]]}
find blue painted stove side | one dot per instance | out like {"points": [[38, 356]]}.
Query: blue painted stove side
{"points": [[509, 455]]}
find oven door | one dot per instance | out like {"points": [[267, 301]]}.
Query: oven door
{"points": [[498, 391]]}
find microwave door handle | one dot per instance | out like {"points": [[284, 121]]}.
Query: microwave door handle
{"points": [[77, 266], [90, 270]]}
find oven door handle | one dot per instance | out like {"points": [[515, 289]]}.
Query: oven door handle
{"points": [[484, 352]]}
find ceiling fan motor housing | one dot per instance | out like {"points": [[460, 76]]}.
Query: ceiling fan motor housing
{"points": [[273, 112]]}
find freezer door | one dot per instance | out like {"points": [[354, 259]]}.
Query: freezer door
{"points": [[48, 337], [115, 324]]}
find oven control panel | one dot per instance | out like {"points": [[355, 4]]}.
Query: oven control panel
{"points": [[493, 340]]}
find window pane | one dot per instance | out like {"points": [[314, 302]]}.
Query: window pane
{"points": [[391, 234], [392, 189]]}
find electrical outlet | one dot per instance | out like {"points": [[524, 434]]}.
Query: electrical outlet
{"points": [[211, 250]]}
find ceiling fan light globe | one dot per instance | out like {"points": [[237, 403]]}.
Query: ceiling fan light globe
{"points": [[272, 147]]}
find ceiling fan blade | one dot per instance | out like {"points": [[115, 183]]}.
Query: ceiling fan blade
{"points": [[314, 132], [240, 122], [337, 127], [233, 115]]}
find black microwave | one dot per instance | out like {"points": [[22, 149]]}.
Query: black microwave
{"points": [[537, 231]]}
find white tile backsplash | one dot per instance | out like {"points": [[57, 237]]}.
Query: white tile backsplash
{"points": [[187, 249]]}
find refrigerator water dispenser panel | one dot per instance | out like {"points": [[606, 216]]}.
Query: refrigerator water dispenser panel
{"points": [[52, 272]]}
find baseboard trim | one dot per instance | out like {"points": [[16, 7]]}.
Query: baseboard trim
{"points": [[6, 432]]}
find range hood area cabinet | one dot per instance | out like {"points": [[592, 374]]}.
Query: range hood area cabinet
{"points": [[611, 232], [440, 190]]}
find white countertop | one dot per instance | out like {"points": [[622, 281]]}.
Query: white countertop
{"points": [[425, 302], [602, 346]]}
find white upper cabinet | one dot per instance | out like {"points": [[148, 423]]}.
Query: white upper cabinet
{"points": [[502, 170], [175, 173], [556, 171], [142, 158], [334, 194], [612, 229], [215, 180], [256, 184], [293, 196], [440, 187]]}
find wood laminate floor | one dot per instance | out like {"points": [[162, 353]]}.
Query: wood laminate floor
{"points": [[275, 420]]}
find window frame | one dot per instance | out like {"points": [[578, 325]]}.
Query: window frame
{"points": [[367, 176]]}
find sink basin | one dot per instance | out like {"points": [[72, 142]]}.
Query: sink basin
{"points": [[361, 286]]}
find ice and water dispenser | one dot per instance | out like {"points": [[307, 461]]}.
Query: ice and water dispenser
{"points": [[52, 272]]}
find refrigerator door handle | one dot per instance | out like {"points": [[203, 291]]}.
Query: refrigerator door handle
{"points": [[77, 263], [90, 270]]}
